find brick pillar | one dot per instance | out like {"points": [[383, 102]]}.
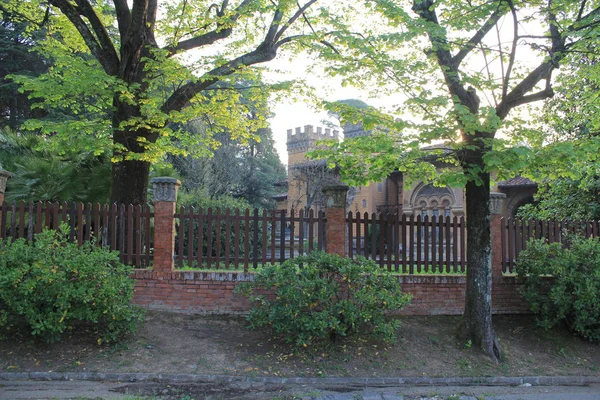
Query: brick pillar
{"points": [[496, 200], [4, 176], [165, 198], [335, 229]]}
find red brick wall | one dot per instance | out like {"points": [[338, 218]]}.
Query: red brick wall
{"points": [[212, 293]]}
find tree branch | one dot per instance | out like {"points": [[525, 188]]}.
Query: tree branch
{"points": [[294, 17], [222, 31], [477, 37], [266, 51], [123, 16], [107, 57], [513, 50], [101, 33], [439, 42]]}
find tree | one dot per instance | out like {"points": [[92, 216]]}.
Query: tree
{"points": [[309, 178], [572, 192], [16, 56], [246, 169], [133, 62], [462, 68]]}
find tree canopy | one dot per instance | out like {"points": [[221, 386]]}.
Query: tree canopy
{"points": [[463, 72], [129, 70]]}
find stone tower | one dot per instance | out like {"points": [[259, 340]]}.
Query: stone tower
{"points": [[299, 142]]}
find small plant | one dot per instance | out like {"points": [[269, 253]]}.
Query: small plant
{"points": [[50, 285], [563, 284], [322, 296]]}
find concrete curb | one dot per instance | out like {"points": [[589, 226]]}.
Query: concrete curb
{"points": [[317, 382]]}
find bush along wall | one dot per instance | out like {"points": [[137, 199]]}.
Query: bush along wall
{"points": [[324, 296], [573, 292], [49, 285]]}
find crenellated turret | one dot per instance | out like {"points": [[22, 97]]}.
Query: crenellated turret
{"points": [[299, 140]]}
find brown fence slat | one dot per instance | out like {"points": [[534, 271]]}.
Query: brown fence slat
{"points": [[419, 227], [209, 234], [21, 219], [292, 232], [463, 239], [13, 221], [228, 238], [273, 234], [138, 235], [218, 238], [380, 231], [80, 223], [255, 240], [236, 229], [366, 234], [180, 235], [263, 249], [411, 245], [301, 227], [200, 216], [246, 238], [389, 222], [434, 246], [189, 218], [455, 244], [350, 234], [3, 224], [447, 232]]}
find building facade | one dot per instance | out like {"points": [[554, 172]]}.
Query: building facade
{"points": [[391, 195]]}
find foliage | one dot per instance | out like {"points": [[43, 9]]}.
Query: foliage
{"points": [[246, 168], [563, 284], [50, 286], [40, 174], [566, 199], [570, 189], [320, 296], [126, 80], [16, 56]]}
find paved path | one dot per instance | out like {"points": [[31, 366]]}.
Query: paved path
{"points": [[16, 390]]}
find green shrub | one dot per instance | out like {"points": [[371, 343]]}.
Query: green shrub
{"points": [[572, 293], [49, 286], [321, 296]]}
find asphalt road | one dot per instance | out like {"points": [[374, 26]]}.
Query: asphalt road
{"points": [[80, 390]]}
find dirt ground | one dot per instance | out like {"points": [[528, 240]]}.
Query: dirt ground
{"points": [[177, 343]]}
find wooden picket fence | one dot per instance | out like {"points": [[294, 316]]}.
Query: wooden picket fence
{"points": [[243, 239], [516, 232], [126, 229], [247, 239], [409, 244]]}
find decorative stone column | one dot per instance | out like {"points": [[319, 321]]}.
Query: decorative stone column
{"points": [[336, 228], [496, 200], [4, 176], [165, 199]]}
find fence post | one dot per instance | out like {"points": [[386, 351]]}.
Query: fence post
{"points": [[165, 199], [496, 200], [4, 176], [335, 228]]}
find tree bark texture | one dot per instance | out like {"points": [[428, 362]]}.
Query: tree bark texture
{"points": [[476, 324]]}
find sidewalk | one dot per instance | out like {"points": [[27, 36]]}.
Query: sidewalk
{"points": [[97, 386]]}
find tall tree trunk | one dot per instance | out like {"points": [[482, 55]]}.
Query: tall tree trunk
{"points": [[129, 177], [476, 325], [130, 182]]}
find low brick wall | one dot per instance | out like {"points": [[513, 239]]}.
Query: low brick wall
{"points": [[212, 293]]}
